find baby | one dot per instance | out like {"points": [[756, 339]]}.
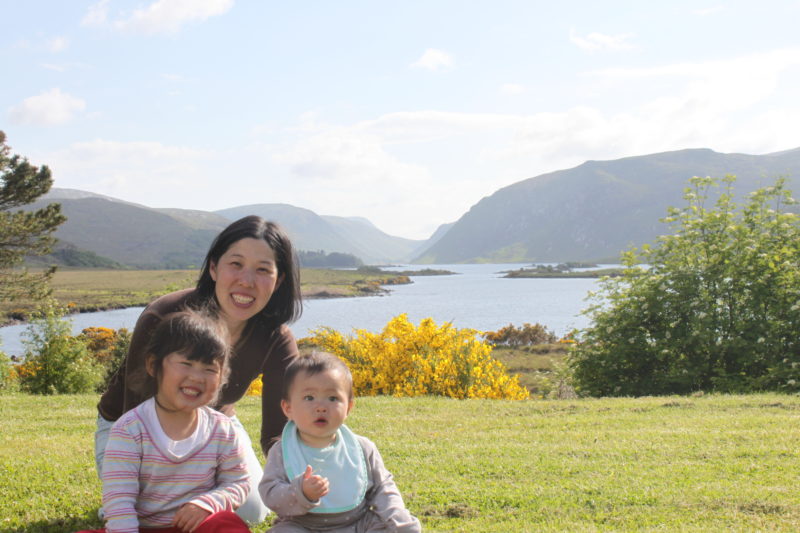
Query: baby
{"points": [[322, 476]]}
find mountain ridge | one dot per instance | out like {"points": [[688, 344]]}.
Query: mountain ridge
{"points": [[594, 210], [591, 212]]}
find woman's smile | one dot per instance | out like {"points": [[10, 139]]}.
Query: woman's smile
{"points": [[245, 277]]}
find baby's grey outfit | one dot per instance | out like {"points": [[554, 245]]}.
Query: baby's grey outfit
{"points": [[382, 509]]}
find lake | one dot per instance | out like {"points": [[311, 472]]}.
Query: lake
{"points": [[477, 297]]}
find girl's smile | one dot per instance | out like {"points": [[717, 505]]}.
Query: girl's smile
{"points": [[185, 384]]}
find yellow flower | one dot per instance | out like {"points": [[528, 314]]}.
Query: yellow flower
{"points": [[405, 360]]}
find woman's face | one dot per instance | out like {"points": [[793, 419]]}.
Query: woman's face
{"points": [[245, 277]]}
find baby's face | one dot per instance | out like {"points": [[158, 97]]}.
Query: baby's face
{"points": [[318, 405]]}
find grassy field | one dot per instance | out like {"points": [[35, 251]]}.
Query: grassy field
{"points": [[710, 463], [531, 362], [91, 290]]}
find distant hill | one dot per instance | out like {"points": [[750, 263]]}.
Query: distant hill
{"points": [[101, 231], [596, 210], [373, 245], [129, 234], [67, 254], [309, 231]]}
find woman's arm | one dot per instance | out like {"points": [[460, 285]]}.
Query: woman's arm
{"points": [[283, 351]]}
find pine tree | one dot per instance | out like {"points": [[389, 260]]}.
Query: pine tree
{"points": [[23, 232]]}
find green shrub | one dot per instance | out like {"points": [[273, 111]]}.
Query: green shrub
{"points": [[8, 374], [527, 335], [715, 310], [109, 347], [55, 361]]}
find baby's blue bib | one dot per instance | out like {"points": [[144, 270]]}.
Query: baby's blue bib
{"points": [[342, 462]]}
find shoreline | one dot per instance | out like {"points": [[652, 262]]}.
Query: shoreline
{"points": [[315, 293]]}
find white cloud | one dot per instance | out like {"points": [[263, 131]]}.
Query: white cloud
{"points": [[434, 59], [47, 109], [512, 88], [714, 86], [57, 44], [594, 42], [161, 16], [712, 10], [54, 67], [130, 170], [97, 15]]}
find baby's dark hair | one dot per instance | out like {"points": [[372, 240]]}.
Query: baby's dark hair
{"points": [[195, 334], [312, 364]]}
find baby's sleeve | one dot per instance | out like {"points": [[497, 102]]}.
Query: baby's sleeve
{"points": [[384, 496], [284, 496]]}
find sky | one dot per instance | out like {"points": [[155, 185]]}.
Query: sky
{"points": [[406, 113]]}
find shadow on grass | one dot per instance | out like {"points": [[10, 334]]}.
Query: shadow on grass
{"points": [[59, 525]]}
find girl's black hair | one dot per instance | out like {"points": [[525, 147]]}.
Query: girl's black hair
{"points": [[312, 364], [285, 304], [192, 333]]}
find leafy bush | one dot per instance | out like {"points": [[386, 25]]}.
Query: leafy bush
{"points": [[109, 347], [527, 335], [717, 309], [256, 387], [55, 361], [8, 374], [404, 360], [557, 383]]}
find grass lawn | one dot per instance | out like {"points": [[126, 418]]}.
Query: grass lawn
{"points": [[92, 290], [710, 463]]}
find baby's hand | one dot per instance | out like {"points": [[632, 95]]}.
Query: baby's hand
{"points": [[189, 516], [314, 487]]}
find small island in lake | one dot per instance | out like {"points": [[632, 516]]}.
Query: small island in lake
{"points": [[563, 270], [424, 272]]}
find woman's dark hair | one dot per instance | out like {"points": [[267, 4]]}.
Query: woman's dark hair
{"points": [[192, 333], [312, 364], [285, 304]]}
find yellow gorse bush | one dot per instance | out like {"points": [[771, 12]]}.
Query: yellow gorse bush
{"points": [[404, 360], [255, 387]]}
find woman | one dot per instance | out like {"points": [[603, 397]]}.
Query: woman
{"points": [[250, 280]]}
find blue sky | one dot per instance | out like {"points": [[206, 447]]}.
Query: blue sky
{"points": [[406, 113]]}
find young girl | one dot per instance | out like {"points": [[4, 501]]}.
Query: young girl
{"points": [[321, 476], [173, 462]]}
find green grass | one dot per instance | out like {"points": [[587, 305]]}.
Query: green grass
{"points": [[96, 289], [531, 362], [710, 463], [91, 290], [322, 282]]}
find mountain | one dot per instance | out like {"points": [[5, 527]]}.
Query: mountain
{"points": [[373, 245], [597, 209], [129, 234], [107, 232], [309, 231]]}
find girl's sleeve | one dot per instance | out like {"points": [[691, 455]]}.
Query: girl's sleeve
{"points": [[120, 478], [384, 496], [232, 479], [284, 496]]}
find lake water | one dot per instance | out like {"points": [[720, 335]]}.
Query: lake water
{"points": [[477, 297]]}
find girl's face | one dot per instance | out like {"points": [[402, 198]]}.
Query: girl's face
{"points": [[245, 277], [185, 385], [318, 405]]}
